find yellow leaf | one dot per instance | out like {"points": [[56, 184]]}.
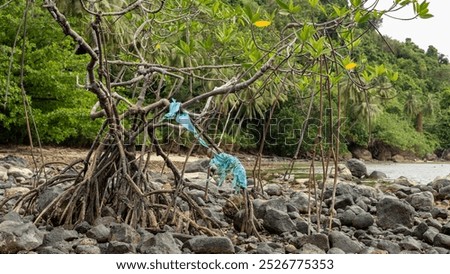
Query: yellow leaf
{"points": [[262, 23], [350, 66], [157, 46]]}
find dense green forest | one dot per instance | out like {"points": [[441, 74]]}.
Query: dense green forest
{"points": [[391, 96]]}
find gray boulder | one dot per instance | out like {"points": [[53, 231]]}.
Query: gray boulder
{"points": [[335, 250], [50, 250], [47, 196], [373, 250], [439, 213], [309, 248], [357, 168], [265, 248], [18, 236], [392, 212], [3, 174], [11, 160], [342, 171], [404, 181], [363, 221], [342, 189], [357, 209], [161, 243], [59, 234], [15, 191], [11, 216], [442, 240], [304, 226], [446, 229], [389, 246], [100, 233], [124, 233], [87, 249], [197, 166], [318, 239], [422, 201], [377, 175], [409, 243], [20, 172], [300, 200], [115, 247], [347, 217], [260, 206], [431, 157], [444, 192], [210, 245], [216, 214], [420, 229], [82, 227], [277, 221], [342, 201], [430, 234], [342, 241], [367, 191], [362, 153], [446, 154], [273, 189], [440, 182]]}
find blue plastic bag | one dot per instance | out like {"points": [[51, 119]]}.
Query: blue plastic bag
{"points": [[227, 164], [183, 119], [224, 163]]}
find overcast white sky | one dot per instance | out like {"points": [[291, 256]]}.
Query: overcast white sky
{"points": [[423, 32]]}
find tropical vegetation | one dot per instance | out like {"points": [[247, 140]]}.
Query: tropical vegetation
{"points": [[332, 74]]}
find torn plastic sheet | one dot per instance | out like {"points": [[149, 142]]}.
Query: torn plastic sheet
{"points": [[183, 119], [224, 163], [227, 164]]}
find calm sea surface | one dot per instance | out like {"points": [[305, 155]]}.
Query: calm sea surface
{"points": [[420, 172]]}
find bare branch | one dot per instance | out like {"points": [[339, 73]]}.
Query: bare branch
{"points": [[129, 8], [158, 9], [67, 29], [231, 86], [6, 4]]}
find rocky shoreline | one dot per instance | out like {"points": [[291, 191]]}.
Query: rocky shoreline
{"points": [[374, 217]]}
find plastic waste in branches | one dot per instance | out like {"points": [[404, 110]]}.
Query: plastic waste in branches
{"points": [[224, 163], [183, 119]]}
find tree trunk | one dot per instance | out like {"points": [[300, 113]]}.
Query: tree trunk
{"points": [[419, 122]]}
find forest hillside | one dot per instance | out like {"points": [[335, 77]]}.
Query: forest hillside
{"points": [[393, 100]]}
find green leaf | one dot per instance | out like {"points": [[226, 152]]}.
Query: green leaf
{"points": [[405, 2], [129, 15], [313, 3], [206, 43], [306, 33], [283, 5], [393, 76], [184, 47], [366, 76], [340, 11], [426, 15], [224, 35], [360, 18], [354, 43], [215, 7], [379, 70], [355, 3], [424, 5], [318, 47], [293, 8], [248, 12]]}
